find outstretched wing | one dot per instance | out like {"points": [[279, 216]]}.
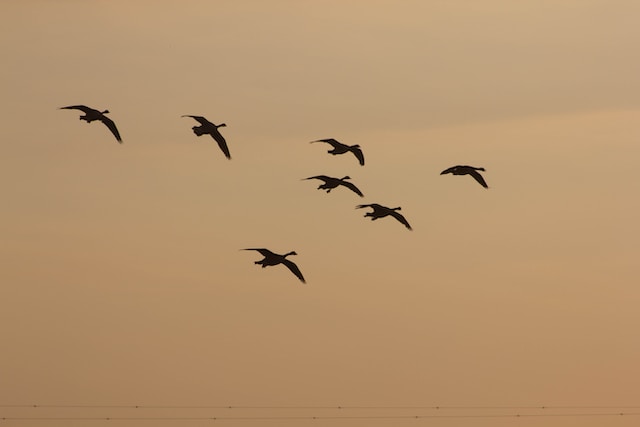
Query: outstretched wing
{"points": [[324, 178], [263, 251], [200, 119], [331, 141], [112, 127], [82, 108], [352, 187], [294, 269], [400, 218], [478, 178], [365, 206], [450, 170], [222, 143], [358, 153]]}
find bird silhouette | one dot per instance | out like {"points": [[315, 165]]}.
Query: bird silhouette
{"points": [[467, 170], [212, 129], [340, 148], [271, 258], [91, 115], [380, 211], [331, 183]]}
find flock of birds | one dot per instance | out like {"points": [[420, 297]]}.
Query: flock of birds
{"points": [[329, 183]]}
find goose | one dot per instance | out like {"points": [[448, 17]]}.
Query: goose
{"points": [[91, 115], [467, 170], [271, 258], [212, 129], [331, 183], [380, 211], [340, 148]]}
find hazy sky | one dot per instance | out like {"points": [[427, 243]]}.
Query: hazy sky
{"points": [[122, 282]]}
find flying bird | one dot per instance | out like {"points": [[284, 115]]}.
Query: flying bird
{"points": [[331, 183], [212, 129], [340, 148], [91, 115], [380, 211], [271, 258], [467, 170]]}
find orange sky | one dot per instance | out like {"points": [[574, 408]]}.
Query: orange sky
{"points": [[122, 278]]}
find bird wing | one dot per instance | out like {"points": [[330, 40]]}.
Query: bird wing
{"points": [[82, 108], [352, 187], [400, 218], [478, 178], [331, 141], [451, 169], [359, 155], [294, 269], [263, 251], [222, 143], [365, 206], [112, 127], [324, 178], [200, 119]]}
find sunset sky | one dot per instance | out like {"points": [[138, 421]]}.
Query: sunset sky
{"points": [[122, 281]]}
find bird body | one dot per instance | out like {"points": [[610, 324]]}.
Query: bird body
{"points": [[330, 183], [340, 148], [271, 258], [467, 170], [91, 115], [380, 211], [206, 127]]}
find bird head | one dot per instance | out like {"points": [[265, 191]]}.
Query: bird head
{"points": [[221, 125], [346, 177], [290, 253], [105, 112]]}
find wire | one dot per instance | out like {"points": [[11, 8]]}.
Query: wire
{"points": [[317, 407], [542, 411], [321, 417]]}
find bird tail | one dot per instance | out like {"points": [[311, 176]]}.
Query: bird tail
{"points": [[198, 130]]}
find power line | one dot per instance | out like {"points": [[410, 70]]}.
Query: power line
{"points": [[322, 417], [321, 407], [441, 412]]}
